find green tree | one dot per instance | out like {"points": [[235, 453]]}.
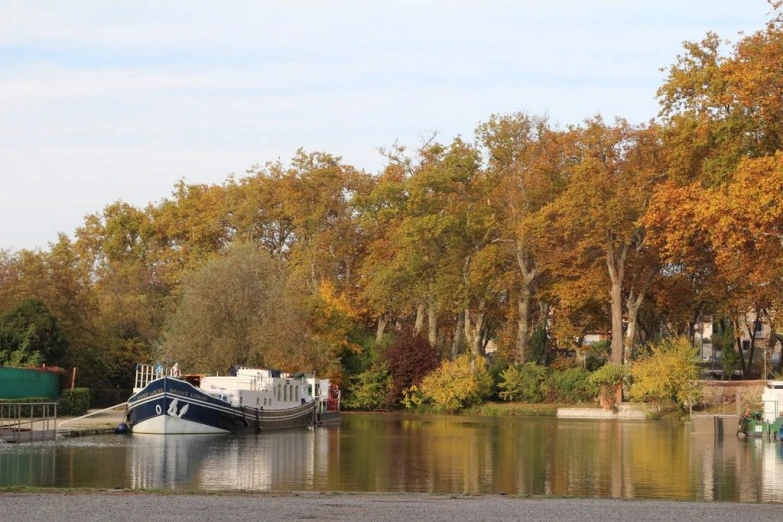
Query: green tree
{"points": [[239, 309], [30, 334]]}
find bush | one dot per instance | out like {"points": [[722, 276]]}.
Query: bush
{"points": [[74, 402], [457, 384], [538, 345], [107, 397], [608, 377], [370, 389], [523, 382], [597, 355], [563, 363], [409, 359], [497, 365], [667, 375], [572, 385], [730, 359], [609, 374]]}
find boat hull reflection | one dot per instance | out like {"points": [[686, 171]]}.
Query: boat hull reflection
{"points": [[292, 459]]}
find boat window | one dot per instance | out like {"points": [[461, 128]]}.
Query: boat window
{"points": [[297, 394]]}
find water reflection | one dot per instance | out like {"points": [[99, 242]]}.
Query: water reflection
{"points": [[403, 453]]}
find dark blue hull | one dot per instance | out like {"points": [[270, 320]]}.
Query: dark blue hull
{"points": [[173, 406], [168, 406]]}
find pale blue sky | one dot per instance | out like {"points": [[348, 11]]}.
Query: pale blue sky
{"points": [[105, 100]]}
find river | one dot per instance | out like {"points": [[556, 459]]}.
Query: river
{"points": [[424, 454]]}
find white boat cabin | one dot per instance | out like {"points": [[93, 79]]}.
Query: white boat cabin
{"points": [[772, 398], [257, 388]]}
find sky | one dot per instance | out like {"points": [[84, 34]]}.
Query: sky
{"points": [[103, 101]]}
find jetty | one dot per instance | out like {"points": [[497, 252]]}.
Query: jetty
{"points": [[39, 421], [28, 421]]}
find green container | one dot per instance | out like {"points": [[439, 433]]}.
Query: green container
{"points": [[20, 383]]}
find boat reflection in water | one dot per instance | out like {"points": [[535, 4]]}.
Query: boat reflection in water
{"points": [[284, 460]]}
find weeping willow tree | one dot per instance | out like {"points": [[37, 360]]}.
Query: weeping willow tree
{"points": [[238, 309]]}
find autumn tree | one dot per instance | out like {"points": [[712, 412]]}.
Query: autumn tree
{"points": [[129, 291], [525, 168], [721, 115], [596, 219], [186, 229], [238, 309]]}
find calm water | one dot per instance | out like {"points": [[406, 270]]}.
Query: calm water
{"points": [[402, 453]]}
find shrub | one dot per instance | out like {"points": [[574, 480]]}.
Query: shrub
{"points": [[497, 365], [409, 359], [563, 363], [597, 355], [74, 402], [609, 374], [571, 385], [106, 397], [667, 375], [608, 377], [523, 382], [538, 345], [370, 389], [730, 359], [457, 384]]}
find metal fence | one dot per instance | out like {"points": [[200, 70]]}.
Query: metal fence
{"points": [[28, 421]]}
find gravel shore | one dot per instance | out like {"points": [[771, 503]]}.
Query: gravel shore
{"points": [[135, 506]]}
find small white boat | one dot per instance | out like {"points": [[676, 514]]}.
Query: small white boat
{"points": [[254, 399]]}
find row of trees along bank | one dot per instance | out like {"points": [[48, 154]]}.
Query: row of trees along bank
{"points": [[635, 230]]}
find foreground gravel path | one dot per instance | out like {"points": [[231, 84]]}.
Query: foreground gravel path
{"points": [[121, 506]]}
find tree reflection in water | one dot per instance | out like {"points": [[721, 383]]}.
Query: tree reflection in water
{"points": [[432, 454]]}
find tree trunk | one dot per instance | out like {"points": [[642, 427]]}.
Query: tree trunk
{"points": [[432, 315], [528, 274], [738, 342], [458, 335], [383, 320], [474, 332], [468, 328], [752, 352], [419, 327], [615, 261], [523, 330], [632, 305]]}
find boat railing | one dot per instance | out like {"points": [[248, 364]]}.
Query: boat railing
{"points": [[146, 373]]}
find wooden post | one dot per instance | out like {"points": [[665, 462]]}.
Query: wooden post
{"points": [[73, 377]]}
